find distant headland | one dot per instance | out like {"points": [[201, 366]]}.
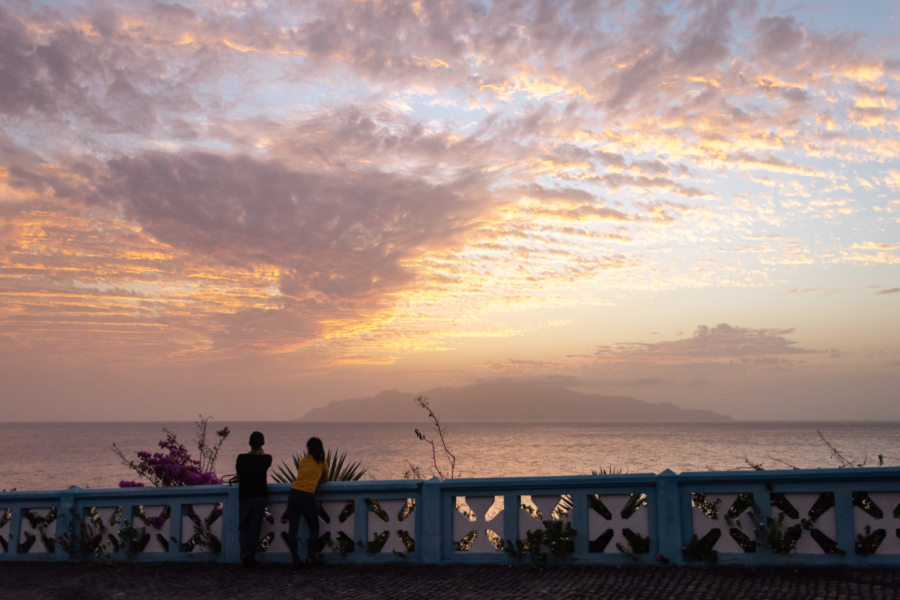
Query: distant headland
{"points": [[507, 402]]}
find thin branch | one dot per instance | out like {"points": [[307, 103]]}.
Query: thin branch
{"points": [[836, 453], [141, 472], [784, 462], [422, 401], [752, 465], [434, 462], [200, 440]]}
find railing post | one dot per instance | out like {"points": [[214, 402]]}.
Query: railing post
{"points": [[511, 504], [231, 551], [844, 526], [668, 517], [15, 530], [581, 523], [176, 525], [67, 520], [431, 535], [763, 499], [361, 512]]}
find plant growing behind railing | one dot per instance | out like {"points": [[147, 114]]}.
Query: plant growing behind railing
{"points": [[379, 539], [637, 544], [173, 468], [5, 517], [176, 467], [339, 468], [437, 449], [783, 540], [341, 544], [843, 461], [867, 543], [702, 548], [88, 536], [38, 523], [769, 532], [554, 540]]}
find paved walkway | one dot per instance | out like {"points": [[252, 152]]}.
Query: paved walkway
{"points": [[94, 581]]}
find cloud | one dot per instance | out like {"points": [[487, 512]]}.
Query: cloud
{"points": [[779, 36], [772, 163], [720, 344], [331, 225], [337, 238], [335, 243], [819, 291], [872, 253], [62, 70], [887, 291], [35, 76]]}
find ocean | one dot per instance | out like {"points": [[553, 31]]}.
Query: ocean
{"points": [[48, 456]]}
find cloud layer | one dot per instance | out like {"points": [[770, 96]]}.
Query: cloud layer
{"points": [[358, 183]]}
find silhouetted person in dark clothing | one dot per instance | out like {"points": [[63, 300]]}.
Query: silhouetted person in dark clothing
{"points": [[251, 469]]}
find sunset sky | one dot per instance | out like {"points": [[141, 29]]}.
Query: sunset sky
{"points": [[247, 209]]}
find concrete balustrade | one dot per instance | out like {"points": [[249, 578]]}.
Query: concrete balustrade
{"points": [[824, 517]]}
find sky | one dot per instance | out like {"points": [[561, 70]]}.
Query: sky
{"points": [[247, 209]]}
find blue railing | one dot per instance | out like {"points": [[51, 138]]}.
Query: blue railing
{"points": [[827, 517]]}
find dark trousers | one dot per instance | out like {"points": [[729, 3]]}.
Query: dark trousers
{"points": [[302, 504], [251, 511]]}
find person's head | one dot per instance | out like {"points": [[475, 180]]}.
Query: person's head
{"points": [[315, 448], [257, 440]]}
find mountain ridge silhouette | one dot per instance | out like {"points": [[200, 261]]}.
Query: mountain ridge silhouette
{"points": [[506, 402]]}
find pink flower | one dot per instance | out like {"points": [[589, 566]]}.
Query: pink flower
{"points": [[174, 466]]}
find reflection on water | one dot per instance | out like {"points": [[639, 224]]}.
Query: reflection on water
{"points": [[57, 455]]}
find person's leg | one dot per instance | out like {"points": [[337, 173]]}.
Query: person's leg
{"points": [[257, 512], [293, 513], [244, 513], [311, 516]]}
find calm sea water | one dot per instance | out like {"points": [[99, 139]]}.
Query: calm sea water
{"points": [[42, 456]]}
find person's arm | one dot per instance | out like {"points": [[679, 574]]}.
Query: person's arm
{"points": [[324, 476]]}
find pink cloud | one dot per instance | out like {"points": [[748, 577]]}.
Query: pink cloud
{"points": [[722, 343]]}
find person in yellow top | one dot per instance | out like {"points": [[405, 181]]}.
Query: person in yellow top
{"points": [[312, 471]]}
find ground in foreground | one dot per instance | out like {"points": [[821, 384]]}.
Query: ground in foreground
{"points": [[31, 580]]}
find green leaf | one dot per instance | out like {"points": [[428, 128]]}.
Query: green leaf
{"points": [[339, 468]]}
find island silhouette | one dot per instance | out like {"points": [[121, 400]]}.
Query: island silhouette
{"points": [[507, 402]]}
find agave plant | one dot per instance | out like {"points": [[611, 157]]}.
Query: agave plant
{"points": [[339, 469]]}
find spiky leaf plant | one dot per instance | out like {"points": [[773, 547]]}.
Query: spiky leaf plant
{"points": [[339, 468]]}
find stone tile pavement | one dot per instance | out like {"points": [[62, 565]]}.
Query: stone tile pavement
{"points": [[96, 581]]}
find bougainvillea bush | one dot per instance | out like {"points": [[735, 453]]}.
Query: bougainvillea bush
{"points": [[175, 466]]}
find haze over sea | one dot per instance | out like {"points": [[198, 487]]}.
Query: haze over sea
{"points": [[42, 456]]}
